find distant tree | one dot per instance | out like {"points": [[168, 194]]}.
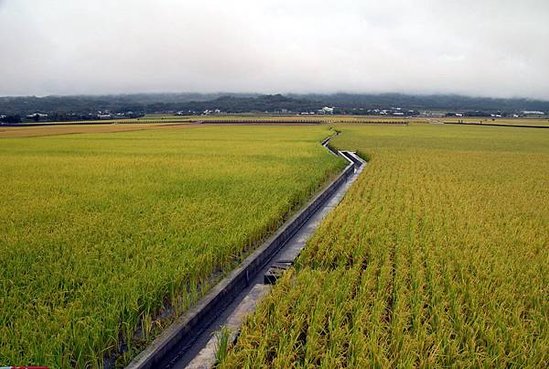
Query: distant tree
{"points": [[11, 119]]}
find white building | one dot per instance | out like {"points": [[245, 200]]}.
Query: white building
{"points": [[37, 115], [326, 110]]}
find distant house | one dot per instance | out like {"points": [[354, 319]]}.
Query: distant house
{"points": [[326, 110], [37, 116], [533, 113]]}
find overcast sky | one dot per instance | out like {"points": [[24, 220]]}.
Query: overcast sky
{"points": [[494, 48]]}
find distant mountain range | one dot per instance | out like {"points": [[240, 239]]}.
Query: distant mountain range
{"points": [[431, 102], [239, 103]]}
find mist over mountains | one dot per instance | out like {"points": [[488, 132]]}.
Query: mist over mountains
{"points": [[240, 103]]}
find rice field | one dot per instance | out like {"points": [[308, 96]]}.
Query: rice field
{"points": [[437, 257], [60, 129], [106, 236]]}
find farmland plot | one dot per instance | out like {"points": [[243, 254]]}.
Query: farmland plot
{"points": [[100, 234], [437, 257]]}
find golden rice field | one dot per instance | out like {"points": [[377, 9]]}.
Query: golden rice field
{"points": [[160, 119], [61, 129], [437, 257], [106, 236]]}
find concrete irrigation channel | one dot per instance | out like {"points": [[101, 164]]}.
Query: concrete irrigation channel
{"points": [[192, 340]]}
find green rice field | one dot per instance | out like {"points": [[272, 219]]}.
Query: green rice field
{"points": [[106, 236], [438, 257]]}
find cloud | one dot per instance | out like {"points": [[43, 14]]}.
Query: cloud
{"points": [[483, 47]]}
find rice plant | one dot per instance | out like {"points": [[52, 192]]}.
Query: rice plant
{"points": [[437, 257], [105, 237]]}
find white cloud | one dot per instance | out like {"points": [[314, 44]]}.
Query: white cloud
{"points": [[483, 47]]}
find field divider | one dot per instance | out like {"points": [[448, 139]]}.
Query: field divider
{"points": [[168, 347]]}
